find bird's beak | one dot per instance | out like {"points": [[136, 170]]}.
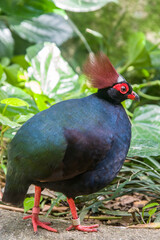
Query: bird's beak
{"points": [[133, 96]]}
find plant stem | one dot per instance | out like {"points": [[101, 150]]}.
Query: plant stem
{"points": [[129, 113], [148, 96], [147, 84], [4, 109], [80, 35]]}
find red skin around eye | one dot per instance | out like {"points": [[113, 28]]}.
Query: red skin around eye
{"points": [[119, 85]]}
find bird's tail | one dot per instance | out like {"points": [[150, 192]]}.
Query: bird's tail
{"points": [[15, 191]]}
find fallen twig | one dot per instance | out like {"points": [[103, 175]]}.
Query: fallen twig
{"points": [[155, 225], [102, 217], [16, 209]]}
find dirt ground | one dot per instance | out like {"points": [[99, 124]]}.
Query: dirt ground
{"points": [[13, 227]]}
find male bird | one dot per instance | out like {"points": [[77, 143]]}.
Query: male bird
{"points": [[76, 147]]}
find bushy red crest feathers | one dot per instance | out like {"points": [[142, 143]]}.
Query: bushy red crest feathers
{"points": [[100, 71]]}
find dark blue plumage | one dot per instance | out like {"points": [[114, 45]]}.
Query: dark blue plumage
{"points": [[97, 130]]}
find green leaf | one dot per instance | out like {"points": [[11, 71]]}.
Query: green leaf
{"points": [[48, 27], [137, 52], [27, 8], [3, 166], [28, 204], [12, 73], [83, 213], [6, 41], [7, 122], [81, 5], [48, 63], [136, 45], [15, 92], [152, 211], [20, 60], [150, 205], [33, 51], [23, 118], [145, 131], [5, 61], [40, 101], [60, 197], [155, 56], [15, 102], [1, 71]]}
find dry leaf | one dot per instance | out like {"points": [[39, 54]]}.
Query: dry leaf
{"points": [[127, 199], [140, 204]]}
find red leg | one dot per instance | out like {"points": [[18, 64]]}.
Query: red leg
{"points": [[76, 221], [35, 211]]}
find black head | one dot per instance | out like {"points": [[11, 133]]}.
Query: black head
{"points": [[118, 93]]}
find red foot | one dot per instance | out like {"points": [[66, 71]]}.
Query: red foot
{"points": [[36, 222], [92, 228]]}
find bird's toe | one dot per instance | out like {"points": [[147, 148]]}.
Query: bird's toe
{"points": [[92, 228], [36, 222]]}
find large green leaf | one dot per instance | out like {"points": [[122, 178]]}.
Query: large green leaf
{"points": [[137, 52], [12, 73], [82, 5], [20, 60], [15, 102], [33, 51], [15, 92], [48, 27], [6, 41], [55, 75], [7, 122], [155, 56], [23, 118], [146, 132], [27, 8]]}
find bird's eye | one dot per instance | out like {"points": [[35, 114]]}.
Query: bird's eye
{"points": [[123, 89]]}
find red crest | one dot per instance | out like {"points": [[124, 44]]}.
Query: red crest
{"points": [[100, 71]]}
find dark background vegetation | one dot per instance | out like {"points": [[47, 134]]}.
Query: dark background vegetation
{"points": [[43, 46]]}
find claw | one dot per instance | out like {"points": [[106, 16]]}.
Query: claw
{"points": [[76, 221], [36, 222], [35, 211], [92, 228]]}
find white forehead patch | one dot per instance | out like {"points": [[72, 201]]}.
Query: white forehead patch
{"points": [[120, 79]]}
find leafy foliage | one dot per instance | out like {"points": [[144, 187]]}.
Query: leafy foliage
{"points": [[25, 8], [41, 29], [146, 131], [82, 5]]}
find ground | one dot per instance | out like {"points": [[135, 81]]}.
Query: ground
{"points": [[13, 227]]}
